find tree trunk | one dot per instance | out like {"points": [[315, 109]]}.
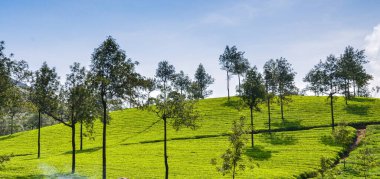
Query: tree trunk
{"points": [[12, 116], [81, 134], [251, 108], [104, 138], [348, 91], [39, 134], [234, 171], [239, 84], [269, 114], [228, 86], [73, 146], [353, 83], [165, 152], [282, 109], [332, 111]]}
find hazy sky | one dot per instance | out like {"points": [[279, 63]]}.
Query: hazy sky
{"points": [[189, 32]]}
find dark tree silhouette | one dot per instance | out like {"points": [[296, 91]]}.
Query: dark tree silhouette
{"points": [[232, 158], [253, 93], [170, 105], [284, 77], [240, 66], [114, 79], [328, 80], [226, 60], [202, 81], [76, 100], [44, 94], [270, 85], [352, 72], [182, 82]]}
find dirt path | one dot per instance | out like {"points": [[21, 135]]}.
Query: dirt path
{"points": [[360, 135]]}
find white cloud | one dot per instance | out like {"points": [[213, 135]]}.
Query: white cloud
{"points": [[372, 48], [373, 43]]}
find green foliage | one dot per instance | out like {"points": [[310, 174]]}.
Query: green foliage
{"points": [[253, 89], [44, 89], [227, 60], [233, 156], [182, 83], [135, 140], [351, 70], [179, 111], [202, 81], [114, 80], [171, 106], [4, 159], [279, 80], [341, 135], [13, 103], [365, 159], [326, 164]]}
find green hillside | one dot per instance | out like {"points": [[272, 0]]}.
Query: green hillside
{"points": [[135, 147], [353, 167]]}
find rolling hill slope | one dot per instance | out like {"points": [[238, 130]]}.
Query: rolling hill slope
{"points": [[135, 147]]}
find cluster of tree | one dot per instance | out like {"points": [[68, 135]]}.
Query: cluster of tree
{"points": [[234, 63], [278, 81], [197, 89], [14, 106], [339, 75], [174, 106], [87, 95]]}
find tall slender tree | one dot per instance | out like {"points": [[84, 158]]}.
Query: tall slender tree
{"points": [[202, 81], [314, 77], [253, 93], [226, 60], [232, 158], [170, 105], [113, 78], [44, 95], [240, 65], [328, 80], [75, 103], [285, 81], [270, 85], [182, 82]]}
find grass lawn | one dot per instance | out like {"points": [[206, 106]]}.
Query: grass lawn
{"points": [[351, 170], [135, 147]]}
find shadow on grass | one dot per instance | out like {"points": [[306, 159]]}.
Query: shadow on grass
{"points": [[6, 137], [279, 139], [180, 138], [351, 170], [289, 125], [329, 140], [90, 150], [357, 109], [140, 132], [21, 155], [258, 153], [363, 99], [235, 104], [58, 175]]}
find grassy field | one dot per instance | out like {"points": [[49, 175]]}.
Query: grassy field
{"points": [[351, 170], [135, 147]]}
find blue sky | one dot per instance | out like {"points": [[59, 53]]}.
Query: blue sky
{"points": [[190, 32]]}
